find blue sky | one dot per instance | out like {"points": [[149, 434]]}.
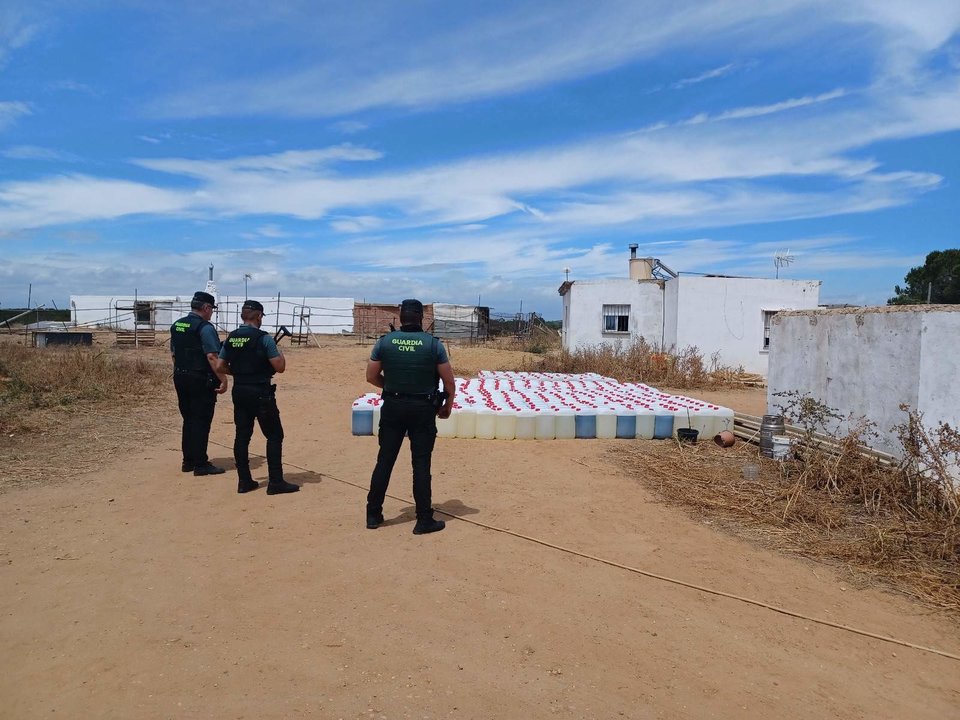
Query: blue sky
{"points": [[456, 151]]}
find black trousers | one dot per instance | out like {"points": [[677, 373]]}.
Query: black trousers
{"points": [[257, 402], [418, 420], [197, 402]]}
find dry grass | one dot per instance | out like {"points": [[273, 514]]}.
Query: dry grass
{"points": [[892, 523], [34, 381], [640, 362]]}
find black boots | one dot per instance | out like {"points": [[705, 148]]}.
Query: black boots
{"points": [[424, 525], [278, 487], [428, 525], [246, 482], [208, 469]]}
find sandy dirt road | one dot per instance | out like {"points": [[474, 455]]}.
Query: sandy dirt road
{"points": [[135, 591]]}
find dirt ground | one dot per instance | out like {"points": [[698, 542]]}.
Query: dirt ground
{"points": [[131, 590]]}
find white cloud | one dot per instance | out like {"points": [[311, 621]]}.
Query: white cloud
{"points": [[33, 152], [349, 127], [291, 161], [11, 111], [505, 48], [708, 75], [16, 30], [501, 49], [360, 223], [757, 111], [73, 86], [78, 198]]}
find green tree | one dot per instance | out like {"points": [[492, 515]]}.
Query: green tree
{"points": [[940, 274]]}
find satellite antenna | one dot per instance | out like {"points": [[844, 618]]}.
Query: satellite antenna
{"points": [[782, 258]]}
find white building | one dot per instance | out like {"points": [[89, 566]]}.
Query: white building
{"points": [[730, 316]]}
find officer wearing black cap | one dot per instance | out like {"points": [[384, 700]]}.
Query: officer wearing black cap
{"points": [[194, 344], [252, 357], [406, 364]]}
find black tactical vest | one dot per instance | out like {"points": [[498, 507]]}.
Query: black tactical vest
{"points": [[185, 344], [409, 362], [247, 356]]}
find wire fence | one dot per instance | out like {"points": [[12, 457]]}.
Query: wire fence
{"points": [[302, 316]]}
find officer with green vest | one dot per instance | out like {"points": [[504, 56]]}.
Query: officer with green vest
{"points": [[252, 357], [406, 363], [194, 345]]}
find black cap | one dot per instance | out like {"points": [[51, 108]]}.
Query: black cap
{"points": [[252, 305], [411, 306], [204, 297]]}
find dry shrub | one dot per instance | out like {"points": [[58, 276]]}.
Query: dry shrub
{"points": [[896, 522], [36, 379], [638, 362]]}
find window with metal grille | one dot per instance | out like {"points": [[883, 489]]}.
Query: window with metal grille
{"points": [[616, 318], [767, 322]]}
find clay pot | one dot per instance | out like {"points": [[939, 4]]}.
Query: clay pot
{"points": [[724, 438]]}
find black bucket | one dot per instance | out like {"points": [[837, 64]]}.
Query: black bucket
{"points": [[687, 435]]}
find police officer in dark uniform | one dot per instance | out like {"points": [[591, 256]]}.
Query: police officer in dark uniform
{"points": [[194, 344], [252, 357], [406, 364]]}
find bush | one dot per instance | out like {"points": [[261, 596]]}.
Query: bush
{"points": [[638, 362]]}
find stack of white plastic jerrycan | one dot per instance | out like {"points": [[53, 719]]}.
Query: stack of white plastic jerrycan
{"points": [[545, 406]]}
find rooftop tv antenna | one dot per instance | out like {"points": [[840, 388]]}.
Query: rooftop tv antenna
{"points": [[781, 259], [566, 274]]}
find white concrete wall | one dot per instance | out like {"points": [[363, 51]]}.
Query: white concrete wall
{"points": [[865, 362], [725, 315], [583, 311]]}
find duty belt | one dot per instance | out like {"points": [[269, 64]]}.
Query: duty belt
{"points": [[407, 396], [201, 373]]}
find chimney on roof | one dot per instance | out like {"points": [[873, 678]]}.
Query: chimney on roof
{"points": [[640, 268]]}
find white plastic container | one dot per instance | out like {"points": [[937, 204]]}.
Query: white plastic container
{"points": [[606, 423], [545, 425], [486, 424], [361, 416], [466, 422], [565, 424], [447, 427], [526, 425], [645, 423], [702, 422], [505, 424]]}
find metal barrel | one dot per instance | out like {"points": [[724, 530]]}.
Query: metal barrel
{"points": [[770, 425]]}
